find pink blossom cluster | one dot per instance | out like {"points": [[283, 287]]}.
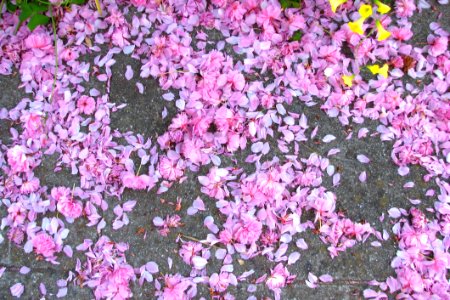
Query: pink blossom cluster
{"points": [[106, 270]]}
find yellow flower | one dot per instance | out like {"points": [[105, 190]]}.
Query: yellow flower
{"points": [[336, 3], [382, 33], [375, 69], [384, 70], [365, 11], [382, 8], [357, 26], [348, 80]]}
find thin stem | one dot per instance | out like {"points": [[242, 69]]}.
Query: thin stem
{"points": [[55, 40], [99, 8], [197, 240], [73, 190], [139, 169], [1, 6]]}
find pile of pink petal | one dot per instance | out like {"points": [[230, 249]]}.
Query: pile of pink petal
{"points": [[223, 106]]}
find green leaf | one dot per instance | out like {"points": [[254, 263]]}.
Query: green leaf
{"points": [[290, 3], [38, 8], [25, 12], [296, 36], [37, 20], [11, 7], [77, 2]]}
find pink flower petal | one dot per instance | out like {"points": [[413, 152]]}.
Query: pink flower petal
{"points": [[129, 73], [17, 290], [328, 138], [363, 159], [326, 278], [363, 176]]}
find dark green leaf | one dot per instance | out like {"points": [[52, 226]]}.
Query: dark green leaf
{"points": [[290, 3], [38, 8], [37, 20], [11, 7], [25, 12], [296, 36], [78, 2]]}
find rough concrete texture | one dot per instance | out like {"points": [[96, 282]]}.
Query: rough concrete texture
{"points": [[361, 201]]}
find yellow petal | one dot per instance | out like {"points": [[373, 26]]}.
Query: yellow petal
{"points": [[384, 70], [365, 11], [357, 26], [375, 69], [382, 33], [382, 8], [348, 80], [336, 3]]}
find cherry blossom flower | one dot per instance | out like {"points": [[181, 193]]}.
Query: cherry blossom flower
{"points": [[17, 290], [438, 45], [18, 160], [279, 278], [44, 244], [405, 8], [86, 104], [176, 287]]}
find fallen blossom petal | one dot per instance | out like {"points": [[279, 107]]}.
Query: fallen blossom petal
{"points": [[363, 159], [17, 290]]}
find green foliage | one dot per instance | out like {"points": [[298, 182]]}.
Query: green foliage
{"points": [[290, 3], [296, 36], [34, 11]]}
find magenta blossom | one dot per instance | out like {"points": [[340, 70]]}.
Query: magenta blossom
{"points": [[44, 244], [279, 278], [176, 287], [70, 208], [86, 104], [17, 159]]}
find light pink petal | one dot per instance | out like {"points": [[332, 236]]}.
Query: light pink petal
{"points": [[336, 179], [328, 138], [403, 171], [169, 262], [68, 250], [408, 185], [168, 96], [158, 221], [376, 244], [17, 290], [415, 201], [199, 262], [363, 159], [312, 278], [199, 204], [326, 278], [140, 87], [394, 213], [192, 211], [42, 289], [333, 151], [24, 270], [129, 73], [293, 257], [362, 133], [301, 244], [61, 292], [368, 293], [363, 176], [129, 205], [152, 267]]}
